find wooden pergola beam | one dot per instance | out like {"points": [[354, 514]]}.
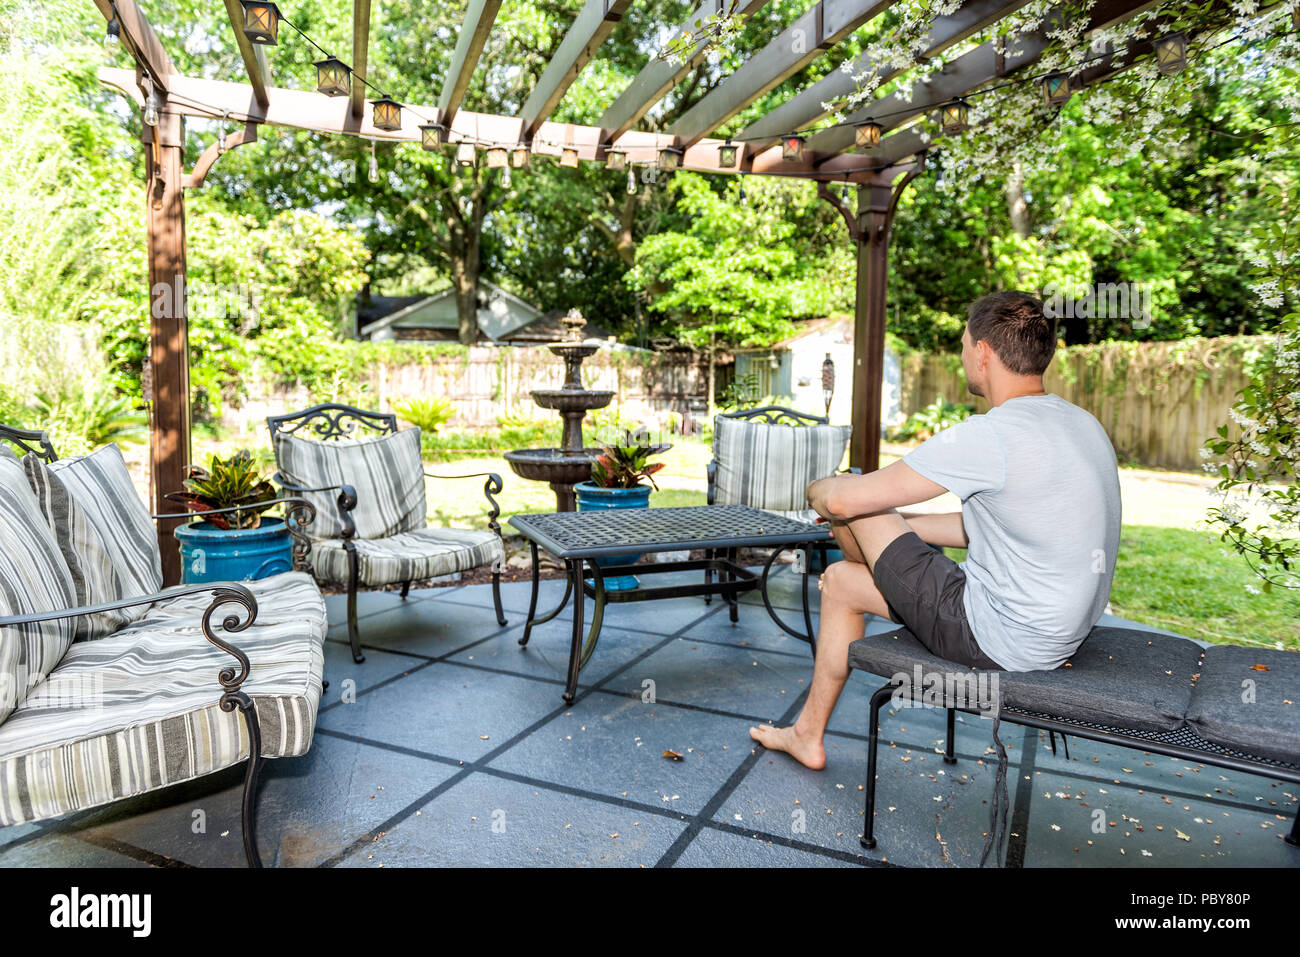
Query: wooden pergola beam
{"points": [[594, 22], [658, 76], [799, 44], [308, 110], [806, 108], [360, 55], [479, 18], [140, 40], [967, 73], [253, 54]]}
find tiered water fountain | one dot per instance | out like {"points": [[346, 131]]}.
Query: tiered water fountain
{"points": [[570, 464]]}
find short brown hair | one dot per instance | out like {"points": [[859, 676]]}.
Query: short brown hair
{"points": [[1016, 328]]}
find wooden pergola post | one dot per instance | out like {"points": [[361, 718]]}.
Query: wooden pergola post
{"points": [[877, 202], [169, 340]]}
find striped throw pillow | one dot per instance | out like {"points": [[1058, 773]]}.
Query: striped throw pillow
{"points": [[769, 466], [33, 577], [104, 531], [386, 471]]}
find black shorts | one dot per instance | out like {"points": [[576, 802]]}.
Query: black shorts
{"points": [[924, 590]]}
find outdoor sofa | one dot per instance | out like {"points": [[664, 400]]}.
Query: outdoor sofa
{"points": [[1227, 706], [111, 686]]}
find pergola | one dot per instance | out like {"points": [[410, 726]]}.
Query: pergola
{"points": [[880, 172]]}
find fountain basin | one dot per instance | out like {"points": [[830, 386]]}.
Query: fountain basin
{"points": [[552, 465], [571, 400]]}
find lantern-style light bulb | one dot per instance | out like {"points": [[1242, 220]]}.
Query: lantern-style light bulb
{"points": [[792, 148], [631, 181], [113, 36], [386, 114], [615, 159], [1057, 89], [505, 177], [670, 158], [1171, 53], [432, 135], [496, 157], [727, 154], [569, 157], [867, 135], [261, 21], [519, 156], [954, 117], [466, 155], [151, 108], [333, 78], [828, 381]]}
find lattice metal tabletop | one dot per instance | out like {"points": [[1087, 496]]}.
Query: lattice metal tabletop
{"points": [[614, 532]]}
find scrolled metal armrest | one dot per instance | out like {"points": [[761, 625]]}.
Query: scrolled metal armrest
{"points": [[347, 499], [491, 487]]}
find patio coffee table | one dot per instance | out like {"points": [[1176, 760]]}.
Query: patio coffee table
{"points": [[579, 538]]}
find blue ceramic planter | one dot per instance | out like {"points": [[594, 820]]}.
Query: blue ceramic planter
{"points": [[592, 497], [211, 554]]}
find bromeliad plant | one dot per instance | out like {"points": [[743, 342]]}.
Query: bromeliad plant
{"points": [[625, 465], [231, 483]]}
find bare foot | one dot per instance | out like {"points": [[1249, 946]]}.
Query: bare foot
{"points": [[810, 754]]}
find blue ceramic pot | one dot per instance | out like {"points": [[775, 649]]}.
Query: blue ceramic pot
{"points": [[211, 554], [592, 497]]}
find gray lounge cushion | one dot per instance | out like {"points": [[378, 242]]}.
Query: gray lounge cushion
{"points": [[1119, 676], [770, 466], [1263, 723]]}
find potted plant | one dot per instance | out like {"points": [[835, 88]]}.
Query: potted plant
{"points": [[240, 545], [616, 482]]}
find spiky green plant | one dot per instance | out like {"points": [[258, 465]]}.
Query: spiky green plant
{"points": [[625, 465], [231, 483]]}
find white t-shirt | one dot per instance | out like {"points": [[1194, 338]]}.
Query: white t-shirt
{"points": [[1041, 507]]}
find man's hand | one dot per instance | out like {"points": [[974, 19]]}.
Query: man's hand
{"points": [[843, 497]]}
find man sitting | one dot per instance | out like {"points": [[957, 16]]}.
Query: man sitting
{"points": [[1040, 515]]}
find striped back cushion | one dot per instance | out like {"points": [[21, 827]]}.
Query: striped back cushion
{"points": [[33, 577], [104, 532], [770, 466], [386, 471]]}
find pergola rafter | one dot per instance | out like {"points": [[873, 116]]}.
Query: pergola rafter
{"points": [[881, 174]]}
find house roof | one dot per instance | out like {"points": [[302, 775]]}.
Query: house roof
{"points": [[384, 311], [548, 329]]}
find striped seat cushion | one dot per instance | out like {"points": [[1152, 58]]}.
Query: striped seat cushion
{"points": [[33, 577], [410, 556], [770, 466], [107, 537], [140, 710], [288, 596], [386, 471]]}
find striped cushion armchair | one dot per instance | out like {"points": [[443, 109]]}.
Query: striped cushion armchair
{"points": [[110, 685], [369, 492]]}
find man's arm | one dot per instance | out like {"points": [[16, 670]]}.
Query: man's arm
{"points": [[843, 497], [944, 529]]}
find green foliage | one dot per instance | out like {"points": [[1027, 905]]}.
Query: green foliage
{"points": [[934, 418], [626, 464], [428, 413], [227, 483]]}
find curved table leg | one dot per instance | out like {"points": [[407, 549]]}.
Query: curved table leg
{"points": [[732, 604], [767, 603], [597, 613], [532, 601], [575, 642]]}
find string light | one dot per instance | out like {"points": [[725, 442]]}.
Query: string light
{"points": [[954, 117], [727, 154], [505, 177], [792, 148], [113, 36], [670, 158], [569, 157], [1057, 89], [615, 159], [867, 135], [466, 155], [333, 77], [1171, 53], [519, 157], [374, 164], [631, 181], [386, 114], [261, 21], [496, 157], [151, 107]]}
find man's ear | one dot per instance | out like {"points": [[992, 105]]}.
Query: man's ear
{"points": [[985, 354]]}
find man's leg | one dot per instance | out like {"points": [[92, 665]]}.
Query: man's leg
{"points": [[848, 592]]}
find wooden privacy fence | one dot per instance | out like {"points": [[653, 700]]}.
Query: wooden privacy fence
{"points": [[1158, 401], [486, 383]]}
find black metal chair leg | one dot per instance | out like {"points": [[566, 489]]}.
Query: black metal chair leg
{"points": [[868, 839], [406, 588], [575, 646], [732, 604], [496, 598], [255, 762], [1294, 837], [1051, 740], [949, 752], [1065, 743], [354, 636]]}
